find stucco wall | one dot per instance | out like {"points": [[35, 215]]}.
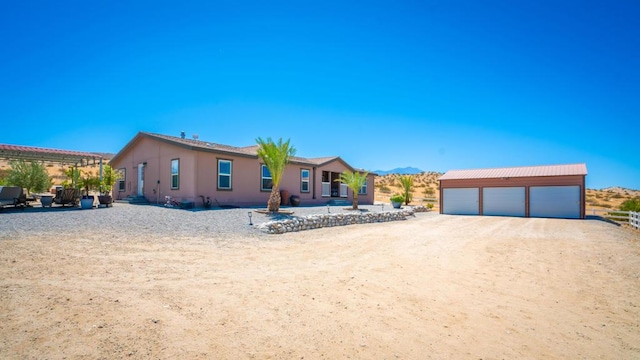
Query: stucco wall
{"points": [[199, 176]]}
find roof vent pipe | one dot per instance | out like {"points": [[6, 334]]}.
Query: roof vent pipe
{"points": [[182, 135]]}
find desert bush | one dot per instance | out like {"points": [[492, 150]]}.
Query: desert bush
{"points": [[599, 204], [631, 205], [384, 189]]}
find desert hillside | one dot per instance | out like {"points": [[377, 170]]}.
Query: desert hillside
{"points": [[425, 189], [425, 186]]}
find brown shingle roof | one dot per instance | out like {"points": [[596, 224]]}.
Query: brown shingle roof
{"points": [[524, 171], [250, 150], [203, 145]]}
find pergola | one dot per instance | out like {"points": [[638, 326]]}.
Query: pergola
{"points": [[30, 153]]}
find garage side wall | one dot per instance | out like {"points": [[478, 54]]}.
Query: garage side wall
{"points": [[569, 180]]}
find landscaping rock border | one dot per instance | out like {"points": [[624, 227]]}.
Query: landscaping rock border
{"points": [[329, 220]]}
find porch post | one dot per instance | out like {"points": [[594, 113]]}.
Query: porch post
{"points": [[100, 170], [313, 186]]}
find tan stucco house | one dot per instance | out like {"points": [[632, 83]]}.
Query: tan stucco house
{"points": [[155, 166]]}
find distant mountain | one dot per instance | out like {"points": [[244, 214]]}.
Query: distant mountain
{"points": [[106, 156], [402, 171]]}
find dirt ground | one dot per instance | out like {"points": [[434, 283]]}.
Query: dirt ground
{"points": [[435, 286]]}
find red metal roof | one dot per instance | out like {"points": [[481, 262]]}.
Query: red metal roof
{"points": [[524, 171]]}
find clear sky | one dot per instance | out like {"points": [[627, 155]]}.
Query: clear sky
{"points": [[437, 85]]}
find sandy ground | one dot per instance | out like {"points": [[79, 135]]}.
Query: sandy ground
{"points": [[431, 287]]}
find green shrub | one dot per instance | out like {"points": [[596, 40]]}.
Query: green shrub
{"points": [[631, 205], [29, 175], [397, 198], [407, 186]]}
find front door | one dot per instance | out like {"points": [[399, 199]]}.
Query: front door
{"points": [[140, 179]]}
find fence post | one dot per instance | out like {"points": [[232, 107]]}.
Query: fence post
{"points": [[634, 219]]}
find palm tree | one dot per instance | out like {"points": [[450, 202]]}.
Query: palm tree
{"points": [[354, 181], [275, 157], [407, 185]]}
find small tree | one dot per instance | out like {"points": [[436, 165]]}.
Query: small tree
{"points": [[354, 181], [89, 182], [73, 175], [109, 179], [406, 182], [275, 157], [32, 176]]}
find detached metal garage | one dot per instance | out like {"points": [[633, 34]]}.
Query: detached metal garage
{"points": [[556, 191]]}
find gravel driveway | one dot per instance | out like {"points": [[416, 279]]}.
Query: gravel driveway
{"points": [[149, 282], [150, 220]]}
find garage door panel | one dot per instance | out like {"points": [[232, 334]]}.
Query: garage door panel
{"points": [[461, 201], [503, 201], [554, 201]]}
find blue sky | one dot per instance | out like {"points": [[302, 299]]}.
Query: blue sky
{"points": [[436, 85]]}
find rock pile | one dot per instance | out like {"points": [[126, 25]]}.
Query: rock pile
{"points": [[329, 220]]}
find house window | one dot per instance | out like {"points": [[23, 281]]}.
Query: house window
{"points": [[363, 189], [224, 174], [122, 180], [304, 180], [175, 174], [267, 182]]}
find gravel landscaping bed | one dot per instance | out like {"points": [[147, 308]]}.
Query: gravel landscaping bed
{"points": [[153, 220]]}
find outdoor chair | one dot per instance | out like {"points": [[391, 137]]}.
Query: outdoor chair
{"points": [[9, 195], [67, 196], [23, 200]]}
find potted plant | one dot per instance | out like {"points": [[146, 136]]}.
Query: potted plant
{"points": [[109, 179], [88, 182], [397, 200]]}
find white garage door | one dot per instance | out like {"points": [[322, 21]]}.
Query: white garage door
{"points": [[554, 201], [503, 201], [460, 201]]}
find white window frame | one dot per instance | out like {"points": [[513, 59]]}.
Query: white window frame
{"points": [[263, 178], [363, 188], [303, 181], [123, 180], [229, 174], [175, 175]]}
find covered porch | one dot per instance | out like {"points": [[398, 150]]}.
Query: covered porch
{"points": [[331, 185]]}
